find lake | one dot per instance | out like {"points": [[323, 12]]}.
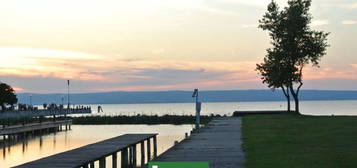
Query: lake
{"points": [[80, 135], [227, 108]]}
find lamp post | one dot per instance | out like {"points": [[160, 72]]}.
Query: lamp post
{"points": [[68, 103], [198, 108], [30, 99]]}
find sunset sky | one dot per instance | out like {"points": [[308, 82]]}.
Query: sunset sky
{"points": [[110, 45]]}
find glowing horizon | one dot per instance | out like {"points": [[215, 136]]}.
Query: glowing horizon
{"points": [[158, 45]]}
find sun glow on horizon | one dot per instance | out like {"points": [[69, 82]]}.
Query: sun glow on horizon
{"points": [[110, 45]]}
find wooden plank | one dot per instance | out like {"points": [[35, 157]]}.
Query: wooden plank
{"points": [[89, 153], [219, 143]]}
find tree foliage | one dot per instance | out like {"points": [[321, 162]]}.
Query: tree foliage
{"points": [[294, 45], [7, 95]]}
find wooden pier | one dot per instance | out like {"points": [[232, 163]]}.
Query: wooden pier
{"points": [[23, 129], [86, 156], [43, 112], [219, 143]]}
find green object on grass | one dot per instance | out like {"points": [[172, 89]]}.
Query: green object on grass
{"points": [[178, 165]]}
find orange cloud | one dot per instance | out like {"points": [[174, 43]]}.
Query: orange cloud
{"points": [[18, 89]]}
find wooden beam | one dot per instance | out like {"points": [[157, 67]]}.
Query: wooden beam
{"points": [[91, 165], [130, 156], [124, 158], [155, 146], [134, 156], [148, 146], [115, 160], [102, 162], [142, 151]]}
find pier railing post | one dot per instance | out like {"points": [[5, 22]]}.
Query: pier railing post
{"points": [[114, 160], [91, 165], [102, 162], [134, 156], [142, 151], [131, 156], [155, 146], [148, 146], [124, 158]]}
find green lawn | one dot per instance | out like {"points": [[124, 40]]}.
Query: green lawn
{"points": [[288, 141]]}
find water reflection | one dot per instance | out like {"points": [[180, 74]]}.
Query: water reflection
{"points": [[24, 149]]}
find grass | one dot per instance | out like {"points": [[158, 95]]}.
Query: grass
{"points": [[295, 141]]}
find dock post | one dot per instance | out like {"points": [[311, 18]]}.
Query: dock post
{"points": [[124, 158], [134, 156], [155, 146], [91, 165], [142, 151], [148, 146], [130, 156], [114, 160], [102, 162]]}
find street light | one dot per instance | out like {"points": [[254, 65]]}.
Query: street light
{"points": [[30, 99]]}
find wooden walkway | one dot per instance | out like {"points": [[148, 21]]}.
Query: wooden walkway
{"points": [[17, 129], [43, 112], [86, 156], [219, 144]]}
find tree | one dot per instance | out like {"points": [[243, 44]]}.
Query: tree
{"points": [[274, 74], [7, 96], [294, 45]]}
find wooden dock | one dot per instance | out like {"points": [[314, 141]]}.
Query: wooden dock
{"points": [[30, 128], [43, 112], [219, 143], [86, 156], [15, 129]]}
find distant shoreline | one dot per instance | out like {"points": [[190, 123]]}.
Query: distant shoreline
{"points": [[118, 120], [185, 97]]}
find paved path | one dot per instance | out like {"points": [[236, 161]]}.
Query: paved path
{"points": [[219, 144]]}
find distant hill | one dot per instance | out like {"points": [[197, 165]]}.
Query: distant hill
{"points": [[182, 96]]}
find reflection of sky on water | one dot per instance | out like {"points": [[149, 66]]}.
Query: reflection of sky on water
{"points": [[41, 146]]}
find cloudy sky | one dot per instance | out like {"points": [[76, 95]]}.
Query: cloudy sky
{"points": [[107, 45]]}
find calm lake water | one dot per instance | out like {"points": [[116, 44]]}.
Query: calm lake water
{"points": [[81, 135], [307, 107]]}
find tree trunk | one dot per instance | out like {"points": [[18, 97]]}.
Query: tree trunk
{"points": [[295, 95], [287, 96], [297, 107], [288, 101], [3, 107]]}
